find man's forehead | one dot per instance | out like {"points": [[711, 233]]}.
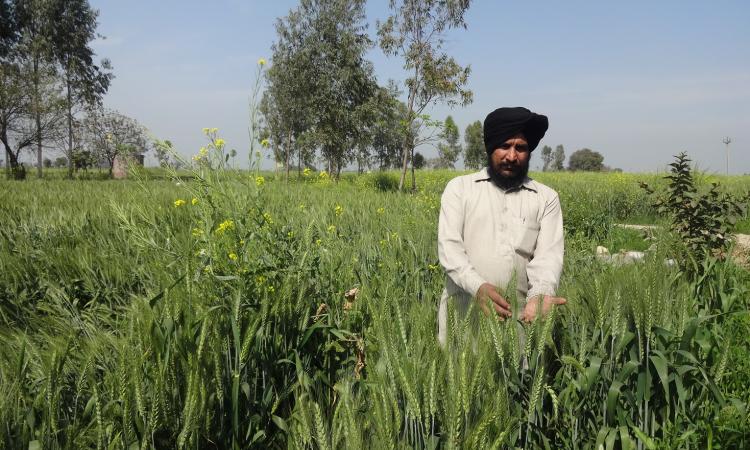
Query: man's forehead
{"points": [[515, 137]]}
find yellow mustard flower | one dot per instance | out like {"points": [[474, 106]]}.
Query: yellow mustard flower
{"points": [[242, 242], [262, 62], [214, 130], [179, 202], [267, 217], [306, 172], [194, 201], [197, 232], [339, 210], [323, 175], [224, 226], [260, 181], [302, 206], [233, 256], [203, 152], [331, 228], [219, 143], [265, 143], [381, 210], [271, 289], [206, 130], [260, 279]]}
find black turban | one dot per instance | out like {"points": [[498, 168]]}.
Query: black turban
{"points": [[504, 123]]}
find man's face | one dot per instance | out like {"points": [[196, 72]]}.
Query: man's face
{"points": [[510, 161]]}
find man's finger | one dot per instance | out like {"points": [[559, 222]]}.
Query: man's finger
{"points": [[558, 301], [499, 300], [502, 311]]}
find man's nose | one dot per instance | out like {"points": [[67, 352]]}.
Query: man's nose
{"points": [[512, 154]]}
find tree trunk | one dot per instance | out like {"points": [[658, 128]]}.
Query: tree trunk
{"points": [[288, 152], [299, 162], [413, 177], [70, 127], [38, 118]]}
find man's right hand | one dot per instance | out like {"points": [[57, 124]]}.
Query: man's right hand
{"points": [[488, 295]]}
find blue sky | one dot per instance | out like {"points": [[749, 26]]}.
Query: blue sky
{"points": [[636, 81]]}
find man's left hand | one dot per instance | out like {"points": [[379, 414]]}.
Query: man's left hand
{"points": [[531, 311]]}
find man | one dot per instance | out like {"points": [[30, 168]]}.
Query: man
{"points": [[498, 222]]}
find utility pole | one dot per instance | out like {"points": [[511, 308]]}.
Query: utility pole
{"points": [[727, 140]]}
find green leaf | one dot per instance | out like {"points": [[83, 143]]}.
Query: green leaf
{"points": [[281, 423], [660, 364], [647, 441]]}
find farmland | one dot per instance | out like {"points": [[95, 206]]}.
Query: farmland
{"points": [[233, 309]]}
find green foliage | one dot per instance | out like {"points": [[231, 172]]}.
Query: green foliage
{"points": [[558, 158], [586, 160], [546, 157], [416, 32], [475, 155], [449, 150], [702, 221], [419, 160]]}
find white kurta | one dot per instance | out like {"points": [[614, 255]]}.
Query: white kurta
{"points": [[485, 233]]}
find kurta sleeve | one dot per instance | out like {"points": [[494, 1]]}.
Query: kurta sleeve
{"points": [[451, 250], [545, 267]]}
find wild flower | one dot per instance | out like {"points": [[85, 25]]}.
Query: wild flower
{"points": [[338, 210], [260, 181], [194, 201], [323, 175], [233, 256], [262, 62], [381, 210], [179, 202], [302, 206], [260, 279], [224, 226], [267, 217], [331, 228], [219, 143], [197, 232], [265, 143], [307, 172]]}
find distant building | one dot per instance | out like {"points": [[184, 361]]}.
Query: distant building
{"points": [[120, 166]]}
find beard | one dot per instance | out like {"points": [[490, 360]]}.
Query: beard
{"points": [[505, 182]]}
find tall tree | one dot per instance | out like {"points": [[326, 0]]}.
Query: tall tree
{"points": [[85, 82], [450, 149], [558, 158], [287, 102], [415, 32], [24, 122], [320, 83], [35, 22], [344, 78], [387, 137], [475, 155], [546, 157]]}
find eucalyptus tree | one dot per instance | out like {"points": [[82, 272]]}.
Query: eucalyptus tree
{"points": [[84, 80], [35, 21], [344, 81], [25, 121], [546, 157], [449, 150], [558, 158], [416, 32], [474, 153], [287, 101]]}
